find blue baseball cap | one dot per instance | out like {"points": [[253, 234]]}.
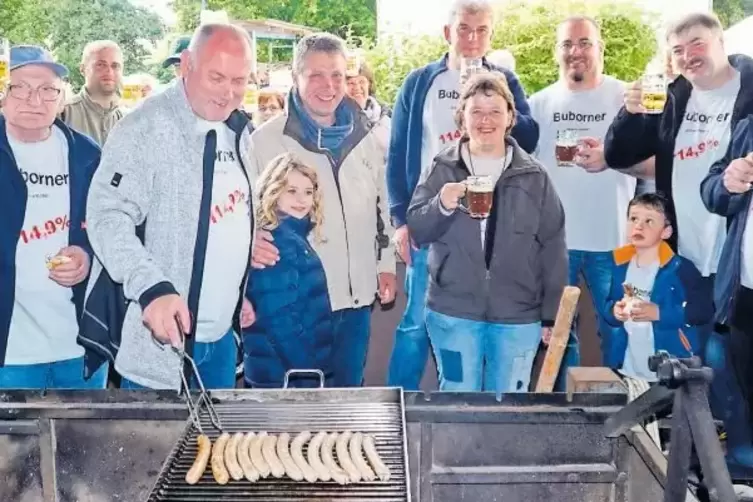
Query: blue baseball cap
{"points": [[24, 55]]}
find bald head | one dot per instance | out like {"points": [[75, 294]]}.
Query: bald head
{"points": [[209, 38], [215, 69]]}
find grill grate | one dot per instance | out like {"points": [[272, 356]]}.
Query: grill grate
{"points": [[383, 420]]}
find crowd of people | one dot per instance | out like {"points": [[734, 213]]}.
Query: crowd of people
{"points": [[266, 238]]}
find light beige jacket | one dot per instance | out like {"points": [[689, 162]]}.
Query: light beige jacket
{"points": [[349, 249]]}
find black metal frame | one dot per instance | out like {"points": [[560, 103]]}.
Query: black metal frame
{"points": [[685, 382]]}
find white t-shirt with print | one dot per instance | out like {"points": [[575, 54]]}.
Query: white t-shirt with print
{"points": [[440, 130], [43, 327], [640, 334], [703, 139], [229, 239], [595, 204]]}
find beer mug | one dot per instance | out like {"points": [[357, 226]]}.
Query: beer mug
{"points": [[479, 195], [470, 67], [566, 147], [251, 98], [131, 95], [353, 64], [4, 66], [653, 93]]}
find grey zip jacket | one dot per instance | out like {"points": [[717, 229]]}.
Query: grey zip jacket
{"points": [[525, 242], [148, 217]]}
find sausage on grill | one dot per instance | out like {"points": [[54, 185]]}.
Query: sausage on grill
{"points": [[315, 460], [196, 471], [257, 457], [296, 451], [339, 475], [356, 454], [270, 455], [244, 458], [231, 457], [380, 468], [343, 456], [283, 453], [218, 459]]}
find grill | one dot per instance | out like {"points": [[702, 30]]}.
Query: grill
{"points": [[375, 411]]}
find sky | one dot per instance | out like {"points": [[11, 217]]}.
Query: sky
{"points": [[161, 7]]}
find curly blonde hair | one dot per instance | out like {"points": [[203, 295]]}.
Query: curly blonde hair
{"points": [[273, 182]]}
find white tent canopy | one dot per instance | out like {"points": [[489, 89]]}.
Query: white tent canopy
{"points": [[738, 39]]}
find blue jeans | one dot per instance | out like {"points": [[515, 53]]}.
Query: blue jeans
{"points": [[352, 329], [596, 267], [727, 403], [215, 361], [473, 356], [68, 374], [411, 349]]}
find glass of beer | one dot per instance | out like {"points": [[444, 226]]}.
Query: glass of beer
{"points": [[566, 147], [251, 98], [4, 66], [654, 92], [470, 67], [353, 64], [479, 194]]}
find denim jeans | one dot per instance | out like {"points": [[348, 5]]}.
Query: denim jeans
{"points": [[352, 331], [596, 268], [411, 349], [475, 356], [68, 374], [727, 402], [215, 361]]}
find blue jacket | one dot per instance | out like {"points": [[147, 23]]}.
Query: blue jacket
{"points": [[734, 207], [83, 159], [293, 328], [684, 300], [404, 160]]}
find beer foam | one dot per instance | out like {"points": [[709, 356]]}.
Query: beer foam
{"points": [[485, 188]]}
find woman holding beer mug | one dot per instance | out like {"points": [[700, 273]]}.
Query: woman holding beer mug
{"points": [[497, 255]]}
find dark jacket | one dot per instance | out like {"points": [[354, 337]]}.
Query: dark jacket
{"points": [[734, 207], [293, 328], [684, 300], [83, 159], [404, 161], [525, 250], [634, 138]]}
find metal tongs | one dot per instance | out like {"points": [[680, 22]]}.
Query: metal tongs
{"points": [[194, 408]]}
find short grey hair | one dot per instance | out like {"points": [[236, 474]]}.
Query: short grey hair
{"points": [[98, 45], [204, 32], [470, 7], [317, 42], [708, 20]]}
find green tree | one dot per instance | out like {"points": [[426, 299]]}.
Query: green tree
{"points": [[74, 23], [24, 21], [529, 32], [335, 16], [730, 11]]}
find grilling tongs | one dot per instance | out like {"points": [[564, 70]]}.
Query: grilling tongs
{"points": [[194, 409]]}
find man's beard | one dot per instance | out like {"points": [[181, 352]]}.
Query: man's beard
{"points": [[578, 77]]}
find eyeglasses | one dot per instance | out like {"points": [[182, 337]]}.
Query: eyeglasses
{"points": [[24, 92], [580, 44]]}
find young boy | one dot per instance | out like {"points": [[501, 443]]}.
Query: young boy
{"points": [[657, 300]]}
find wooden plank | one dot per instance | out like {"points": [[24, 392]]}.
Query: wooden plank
{"points": [[593, 379], [560, 336]]}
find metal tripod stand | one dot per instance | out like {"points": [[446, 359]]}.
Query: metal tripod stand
{"points": [[685, 384]]}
